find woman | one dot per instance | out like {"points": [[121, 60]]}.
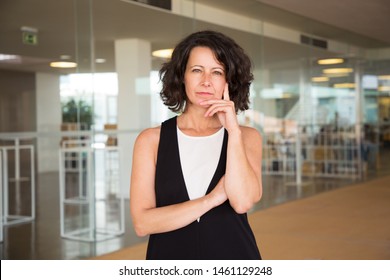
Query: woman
{"points": [[195, 176]]}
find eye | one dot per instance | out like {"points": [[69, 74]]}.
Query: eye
{"points": [[196, 70], [218, 73]]}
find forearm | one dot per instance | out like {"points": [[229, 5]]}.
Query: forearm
{"points": [[172, 217], [242, 184]]}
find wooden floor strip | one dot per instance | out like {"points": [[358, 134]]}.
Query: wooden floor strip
{"points": [[350, 223]]}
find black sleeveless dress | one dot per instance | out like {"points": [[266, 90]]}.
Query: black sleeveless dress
{"points": [[221, 233]]}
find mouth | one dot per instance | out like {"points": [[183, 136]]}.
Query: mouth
{"points": [[203, 93]]}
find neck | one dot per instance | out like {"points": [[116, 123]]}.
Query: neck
{"points": [[195, 123]]}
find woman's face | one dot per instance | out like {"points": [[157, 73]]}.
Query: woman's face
{"points": [[204, 77]]}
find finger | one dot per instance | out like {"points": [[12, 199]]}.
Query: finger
{"points": [[213, 101], [226, 92], [210, 101], [215, 109], [218, 103]]}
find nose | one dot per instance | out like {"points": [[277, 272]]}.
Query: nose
{"points": [[206, 80]]}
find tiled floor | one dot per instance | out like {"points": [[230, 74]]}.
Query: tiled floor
{"points": [[41, 239]]}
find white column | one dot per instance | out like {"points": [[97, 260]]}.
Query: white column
{"points": [[133, 66], [48, 120], [306, 107]]}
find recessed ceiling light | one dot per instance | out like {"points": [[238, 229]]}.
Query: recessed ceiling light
{"points": [[337, 70], [164, 53], [384, 88], [63, 64], [384, 77], [329, 61], [4, 57], [344, 85], [337, 75], [100, 60], [319, 79]]}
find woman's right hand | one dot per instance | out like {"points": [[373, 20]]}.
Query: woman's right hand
{"points": [[218, 194]]}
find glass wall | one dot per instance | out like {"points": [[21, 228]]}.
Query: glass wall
{"points": [[66, 134]]}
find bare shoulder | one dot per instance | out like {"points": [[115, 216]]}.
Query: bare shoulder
{"points": [[251, 135], [252, 142], [149, 133], [149, 137]]}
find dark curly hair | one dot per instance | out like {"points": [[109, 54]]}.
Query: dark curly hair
{"points": [[238, 69]]}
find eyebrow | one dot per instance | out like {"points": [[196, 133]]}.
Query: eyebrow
{"points": [[218, 67]]}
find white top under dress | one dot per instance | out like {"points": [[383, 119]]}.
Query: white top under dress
{"points": [[199, 157]]}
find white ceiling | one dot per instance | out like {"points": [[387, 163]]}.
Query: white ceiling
{"points": [[369, 18], [360, 22]]}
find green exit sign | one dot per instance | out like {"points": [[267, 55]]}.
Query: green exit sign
{"points": [[30, 38]]}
